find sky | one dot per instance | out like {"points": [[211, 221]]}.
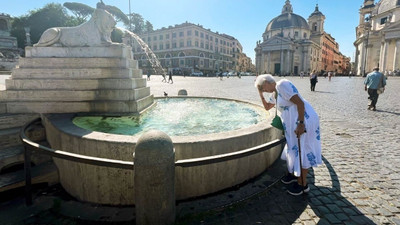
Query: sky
{"points": [[245, 20]]}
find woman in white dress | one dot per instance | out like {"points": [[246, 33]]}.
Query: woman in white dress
{"points": [[299, 120]]}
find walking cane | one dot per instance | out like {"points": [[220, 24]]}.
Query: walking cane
{"points": [[301, 168]]}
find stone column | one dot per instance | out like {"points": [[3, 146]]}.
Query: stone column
{"points": [[385, 53], [269, 62], [262, 63], [383, 56], [396, 58], [154, 160]]}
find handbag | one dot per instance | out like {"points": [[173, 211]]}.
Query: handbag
{"points": [[380, 89], [277, 121]]}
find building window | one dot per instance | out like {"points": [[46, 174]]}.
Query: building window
{"points": [[167, 46], [181, 34], [189, 43], [211, 38], [196, 33], [201, 45], [174, 35], [196, 44], [315, 26], [383, 20], [211, 47], [167, 36], [305, 35], [161, 37], [154, 47], [206, 36], [148, 39], [201, 35], [216, 40], [189, 33], [161, 46], [174, 45], [181, 44], [296, 34], [155, 38], [207, 47]]}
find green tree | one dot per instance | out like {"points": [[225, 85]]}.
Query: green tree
{"points": [[80, 11], [118, 14], [148, 26], [51, 15]]}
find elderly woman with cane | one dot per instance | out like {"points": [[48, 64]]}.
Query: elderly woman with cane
{"points": [[301, 127]]}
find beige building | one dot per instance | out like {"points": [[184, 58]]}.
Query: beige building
{"points": [[378, 37], [292, 45], [187, 48]]}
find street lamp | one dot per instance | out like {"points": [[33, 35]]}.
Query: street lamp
{"points": [[367, 27]]}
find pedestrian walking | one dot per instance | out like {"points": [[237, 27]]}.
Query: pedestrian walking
{"points": [[313, 80], [301, 74], [373, 82], [298, 116], [148, 75], [170, 77], [329, 75]]}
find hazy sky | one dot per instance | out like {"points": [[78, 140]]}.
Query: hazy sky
{"points": [[245, 20]]}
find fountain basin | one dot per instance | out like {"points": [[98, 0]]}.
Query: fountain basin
{"points": [[116, 186]]}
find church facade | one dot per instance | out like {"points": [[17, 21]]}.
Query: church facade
{"points": [[378, 37], [292, 45]]}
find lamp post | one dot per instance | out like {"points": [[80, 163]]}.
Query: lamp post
{"points": [[367, 27]]}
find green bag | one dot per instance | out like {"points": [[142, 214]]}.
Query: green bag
{"points": [[277, 122]]}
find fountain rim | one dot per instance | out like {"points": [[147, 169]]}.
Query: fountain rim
{"points": [[63, 122]]}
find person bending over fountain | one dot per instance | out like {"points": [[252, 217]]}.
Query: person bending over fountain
{"points": [[300, 124]]}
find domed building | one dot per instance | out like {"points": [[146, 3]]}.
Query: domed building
{"points": [[292, 45], [378, 37]]}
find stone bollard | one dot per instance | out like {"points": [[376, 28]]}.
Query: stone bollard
{"points": [[182, 92], [154, 160]]}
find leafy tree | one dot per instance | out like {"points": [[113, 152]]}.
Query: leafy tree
{"points": [[116, 35], [139, 26], [148, 26], [51, 15], [118, 14], [81, 11]]}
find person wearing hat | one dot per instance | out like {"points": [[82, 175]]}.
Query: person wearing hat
{"points": [[373, 82]]}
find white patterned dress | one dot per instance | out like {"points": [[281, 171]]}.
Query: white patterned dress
{"points": [[310, 141]]}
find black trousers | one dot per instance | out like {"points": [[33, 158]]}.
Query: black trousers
{"points": [[373, 97], [313, 82]]}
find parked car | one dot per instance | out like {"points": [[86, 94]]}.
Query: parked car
{"points": [[199, 74], [230, 74]]}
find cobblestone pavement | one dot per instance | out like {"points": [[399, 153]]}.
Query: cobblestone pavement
{"points": [[359, 182]]}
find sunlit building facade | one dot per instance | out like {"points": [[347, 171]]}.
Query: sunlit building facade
{"points": [[188, 48], [378, 37]]}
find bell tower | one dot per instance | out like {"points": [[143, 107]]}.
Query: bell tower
{"points": [[316, 21]]}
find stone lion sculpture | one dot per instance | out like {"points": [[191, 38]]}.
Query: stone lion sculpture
{"points": [[95, 32]]}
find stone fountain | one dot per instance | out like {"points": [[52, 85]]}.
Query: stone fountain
{"points": [[80, 70]]}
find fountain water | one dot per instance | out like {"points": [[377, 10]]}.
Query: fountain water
{"points": [[151, 57]]}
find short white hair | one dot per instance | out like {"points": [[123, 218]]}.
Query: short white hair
{"points": [[262, 79]]}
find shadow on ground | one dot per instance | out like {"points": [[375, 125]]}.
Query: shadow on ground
{"points": [[322, 205]]}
